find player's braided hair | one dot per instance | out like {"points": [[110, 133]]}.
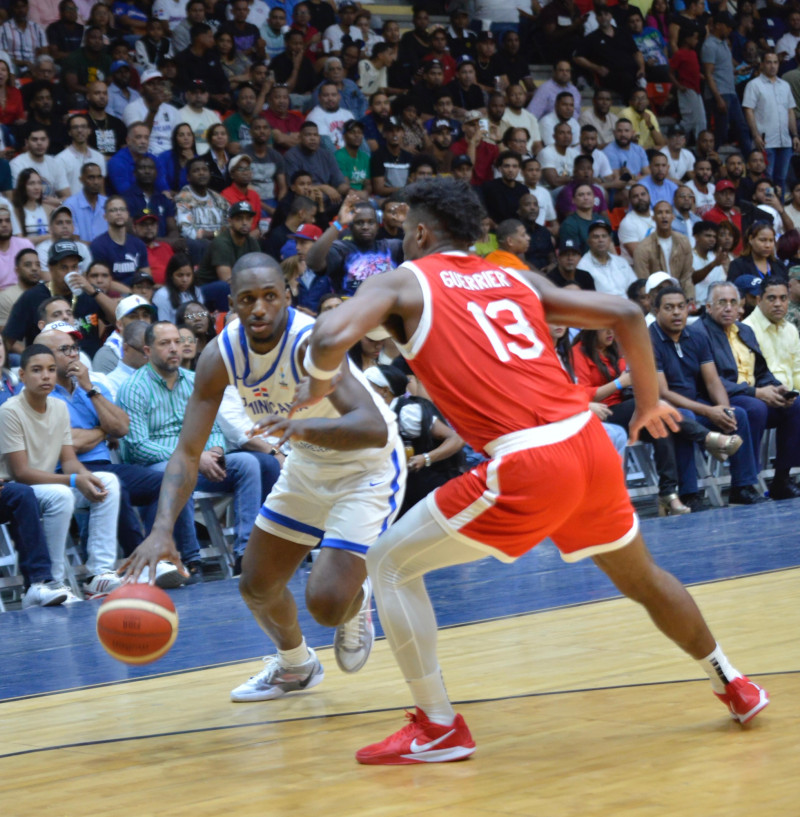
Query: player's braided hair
{"points": [[452, 205]]}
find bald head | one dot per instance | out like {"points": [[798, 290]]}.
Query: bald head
{"points": [[254, 262], [52, 339]]}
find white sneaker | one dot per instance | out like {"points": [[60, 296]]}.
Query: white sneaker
{"points": [[274, 681], [167, 576], [102, 585], [71, 597], [44, 594], [353, 640]]}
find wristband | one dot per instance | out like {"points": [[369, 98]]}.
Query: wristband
{"points": [[73, 478], [427, 458], [315, 371], [336, 224], [618, 384]]}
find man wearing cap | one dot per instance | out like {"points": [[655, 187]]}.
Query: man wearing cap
{"points": [[568, 255], [22, 326], [389, 165], [721, 99], [724, 209], [197, 115], [131, 308], [240, 190], [87, 206], [462, 168], [62, 228], [461, 39], [488, 65], [607, 271], [10, 245], [353, 161], [652, 286], [348, 263], [441, 140], [424, 94], [664, 249], [748, 379], [467, 94], [144, 194], [225, 250], [476, 144], [151, 109], [123, 253], [145, 228], [120, 94], [749, 287], [329, 116], [89, 63]]}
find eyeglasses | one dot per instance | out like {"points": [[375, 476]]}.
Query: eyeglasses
{"points": [[722, 303], [192, 339], [192, 315], [68, 350], [117, 210]]}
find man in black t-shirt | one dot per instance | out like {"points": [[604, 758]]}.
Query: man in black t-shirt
{"points": [[540, 254], [501, 196], [389, 166], [292, 67], [566, 272], [467, 95], [108, 133]]}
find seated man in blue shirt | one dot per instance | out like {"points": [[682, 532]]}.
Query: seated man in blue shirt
{"points": [[626, 158], [688, 379], [121, 164], [95, 421], [122, 252], [751, 385]]}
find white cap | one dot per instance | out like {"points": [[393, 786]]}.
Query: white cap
{"points": [[658, 278], [379, 333], [127, 305], [62, 326], [153, 73]]}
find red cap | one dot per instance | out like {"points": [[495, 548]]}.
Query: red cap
{"points": [[725, 184], [309, 232]]}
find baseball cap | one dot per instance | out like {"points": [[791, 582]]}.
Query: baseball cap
{"points": [[485, 37], [63, 326], [117, 64], [142, 278], [428, 64], [658, 278], [60, 209], [724, 184], [62, 249], [464, 58], [676, 130], [440, 124], [131, 302], [149, 76], [471, 116], [145, 215], [393, 123], [307, 232], [241, 207], [748, 285], [569, 245], [598, 223], [197, 85], [351, 124], [347, 4], [379, 333], [236, 159], [460, 161]]}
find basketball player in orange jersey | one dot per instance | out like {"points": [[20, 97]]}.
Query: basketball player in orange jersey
{"points": [[476, 336]]}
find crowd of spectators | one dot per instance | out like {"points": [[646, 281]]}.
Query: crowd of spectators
{"points": [[146, 146]]}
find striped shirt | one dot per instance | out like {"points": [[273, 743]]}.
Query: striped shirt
{"points": [[22, 45], [157, 415]]}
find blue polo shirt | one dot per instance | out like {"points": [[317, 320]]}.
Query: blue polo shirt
{"points": [[659, 192], [83, 415], [158, 203], [120, 170], [680, 360], [88, 223], [634, 158]]}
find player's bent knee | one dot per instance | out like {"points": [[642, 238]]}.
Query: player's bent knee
{"points": [[256, 588]]}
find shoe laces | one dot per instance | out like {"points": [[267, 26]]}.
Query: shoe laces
{"points": [[353, 631]]}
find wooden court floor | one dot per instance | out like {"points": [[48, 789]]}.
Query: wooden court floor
{"points": [[583, 710]]}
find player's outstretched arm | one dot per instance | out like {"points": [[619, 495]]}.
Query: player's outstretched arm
{"points": [[392, 299], [180, 476], [598, 311]]}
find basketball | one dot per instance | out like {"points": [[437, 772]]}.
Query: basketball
{"points": [[137, 623]]}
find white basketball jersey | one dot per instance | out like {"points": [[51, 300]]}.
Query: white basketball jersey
{"points": [[267, 384]]}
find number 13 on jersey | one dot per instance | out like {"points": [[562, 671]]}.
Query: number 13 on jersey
{"points": [[495, 315]]}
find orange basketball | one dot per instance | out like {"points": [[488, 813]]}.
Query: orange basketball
{"points": [[137, 623]]}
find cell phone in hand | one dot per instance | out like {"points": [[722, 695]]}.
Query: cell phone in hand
{"points": [[221, 462], [790, 395]]}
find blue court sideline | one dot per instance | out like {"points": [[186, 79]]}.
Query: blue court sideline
{"points": [[45, 650]]}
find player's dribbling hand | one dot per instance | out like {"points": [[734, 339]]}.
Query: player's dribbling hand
{"points": [[276, 426], [658, 420], [149, 553]]}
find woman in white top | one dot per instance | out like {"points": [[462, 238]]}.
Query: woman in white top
{"points": [[33, 216]]}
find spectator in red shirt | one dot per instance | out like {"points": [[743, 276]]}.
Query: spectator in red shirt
{"points": [[724, 209], [241, 172], [285, 124], [475, 144], [145, 227], [685, 65], [11, 110]]}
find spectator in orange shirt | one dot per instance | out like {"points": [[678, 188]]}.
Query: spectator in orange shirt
{"points": [[513, 241]]}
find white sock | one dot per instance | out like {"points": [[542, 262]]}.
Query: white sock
{"points": [[719, 669], [431, 697], [295, 657]]}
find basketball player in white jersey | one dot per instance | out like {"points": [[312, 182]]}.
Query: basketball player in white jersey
{"points": [[342, 483]]}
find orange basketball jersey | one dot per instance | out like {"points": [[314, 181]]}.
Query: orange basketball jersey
{"points": [[483, 350]]}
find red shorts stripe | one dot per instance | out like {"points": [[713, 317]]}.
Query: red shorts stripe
{"points": [[572, 492]]}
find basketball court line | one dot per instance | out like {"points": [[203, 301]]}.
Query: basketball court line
{"points": [[379, 711], [442, 628]]}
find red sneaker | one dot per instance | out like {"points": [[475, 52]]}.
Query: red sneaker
{"points": [[420, 741], [744, 698]]}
